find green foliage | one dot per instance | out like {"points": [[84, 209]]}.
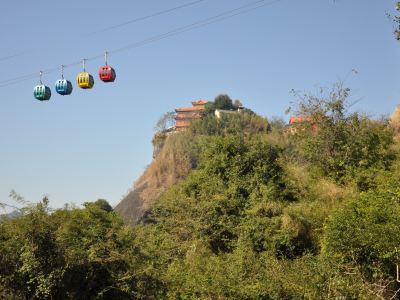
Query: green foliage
{"points": [[277, 123], [396, 21], [237, 104], [220, 102], [248, 212], [364, 236], [69, 254], [100, 203], [231, 209], [250, 221], [230, 124], [345, 146], [166, 121]]}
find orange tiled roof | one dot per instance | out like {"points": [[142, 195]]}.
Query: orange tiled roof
{"points": [[185, 115], [298, 119], [188, 109], [192, 116], [199, 102]]}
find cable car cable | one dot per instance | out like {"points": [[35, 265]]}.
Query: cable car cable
{"points": [[195, 25], [8, 57], [222, 16], [159, 13], [169, 10], [201, 23]]}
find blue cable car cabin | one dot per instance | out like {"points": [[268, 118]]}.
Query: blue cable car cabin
{"points": [[42, 92], [63, 87]]}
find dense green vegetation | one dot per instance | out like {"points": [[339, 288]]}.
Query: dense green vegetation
{"points": [[261, 213]]}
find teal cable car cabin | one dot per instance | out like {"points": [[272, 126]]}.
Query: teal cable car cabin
{"points": [[42, 92]]}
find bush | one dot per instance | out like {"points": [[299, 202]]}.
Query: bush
{"points": [[345, 146], [363, 237]]}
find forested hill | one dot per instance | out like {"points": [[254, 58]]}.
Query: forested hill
{"points": [[242, 208], [178, 153]]}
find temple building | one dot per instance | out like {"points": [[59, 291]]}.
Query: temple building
{"points": [[297, 123], [186, 115]]}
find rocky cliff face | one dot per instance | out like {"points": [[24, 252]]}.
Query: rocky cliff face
{"points": [[173, 161], [133, 206]]}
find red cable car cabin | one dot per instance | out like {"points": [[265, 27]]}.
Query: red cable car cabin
{"points": [[107, 74]]}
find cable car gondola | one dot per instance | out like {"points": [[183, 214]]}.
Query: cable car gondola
{"points": [[41, 92], [63, 86], [84, 79], [106, 73]]}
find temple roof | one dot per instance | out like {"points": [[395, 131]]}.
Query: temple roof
{"points": [[199, 102], [299, 119], [189, 109]]}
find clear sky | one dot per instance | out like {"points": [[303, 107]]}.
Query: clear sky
{"points": [[95, 143]]}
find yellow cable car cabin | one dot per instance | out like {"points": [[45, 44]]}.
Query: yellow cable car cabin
{"points": [[84, 80]]}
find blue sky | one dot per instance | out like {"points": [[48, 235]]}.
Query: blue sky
{"points": [[95, 143]]}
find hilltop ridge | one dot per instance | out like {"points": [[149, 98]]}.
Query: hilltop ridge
{"points": [[176, 151], [235, 207]]}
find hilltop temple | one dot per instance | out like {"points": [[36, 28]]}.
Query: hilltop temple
{"points": [[186, 115]]}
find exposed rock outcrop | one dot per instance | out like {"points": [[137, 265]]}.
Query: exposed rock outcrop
{"points": [[173, 161], [395, 120]]}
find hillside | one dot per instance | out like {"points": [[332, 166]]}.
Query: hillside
{"points": [[269, 212], [178, 154], [232, 208], [172, 163], [12, 215]]}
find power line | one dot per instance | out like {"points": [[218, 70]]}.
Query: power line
{"points": [[159, 13], [11, 56], [170, 10], [198, 24], [217, 18], [222, 16]]}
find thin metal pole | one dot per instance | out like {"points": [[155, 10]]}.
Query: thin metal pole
{"points": [[62, 71], [83, 63], [105, 57], [397, 273], [40, 75]]}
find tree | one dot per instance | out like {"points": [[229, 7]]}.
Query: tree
{"points": [[277, 123], [70, 254], [100, 203], [363, 237], [345, 146], [166, 121], [223, 102], [20, 200], [237, 103], [220, 102], [396, 21]]}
